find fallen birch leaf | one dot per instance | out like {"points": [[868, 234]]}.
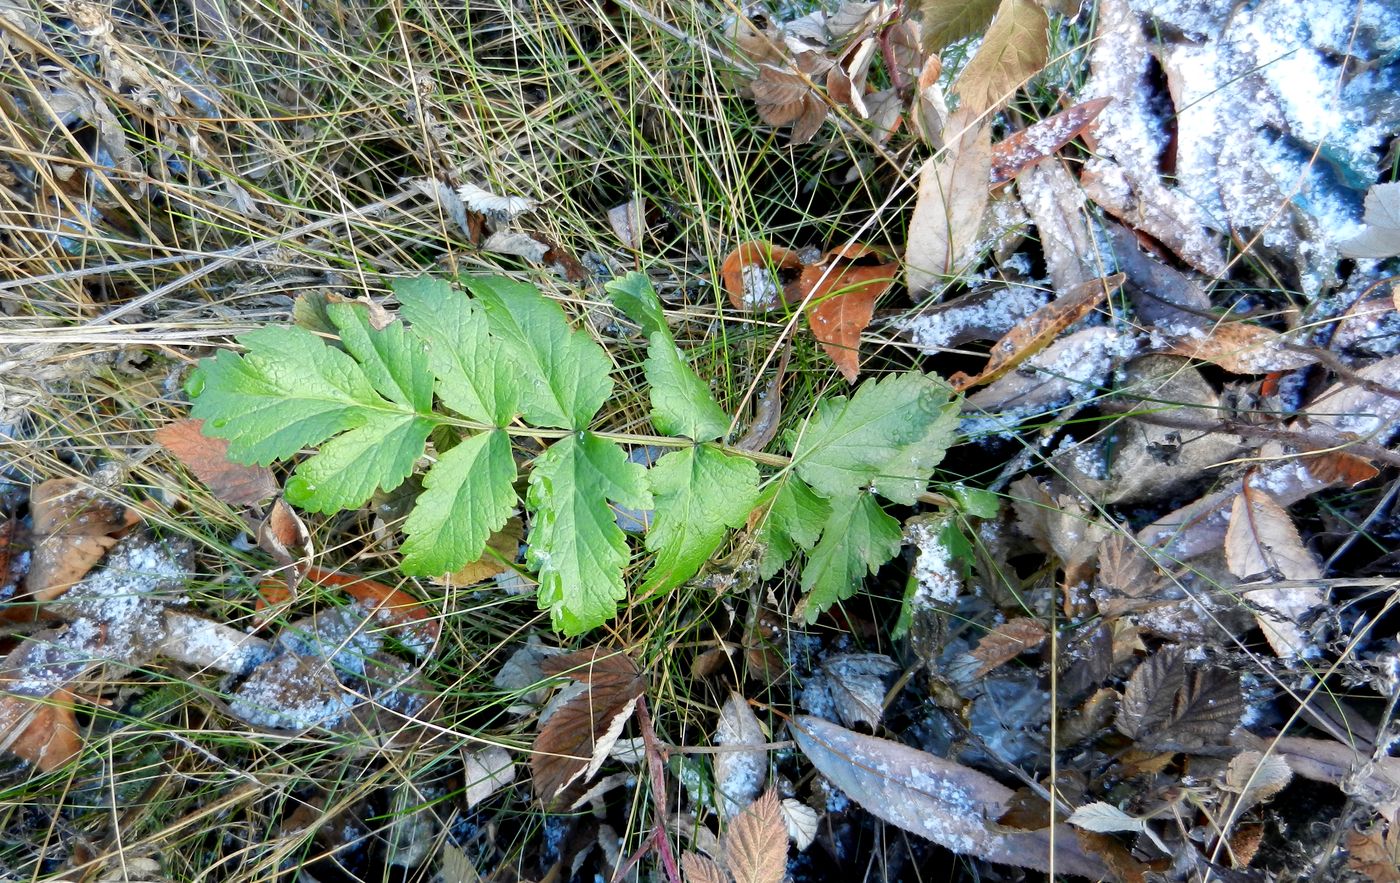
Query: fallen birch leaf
{"points": [[1039, 329], [950, 804], [1241, 348], [1014, 49], [74, 526], [842, 297], [1256, 777], [739, 775], [1262, 541], [485, 772], [1038, 142], [756, 844], [207, 458], [757, 276], [953, 195], [576, 739]]}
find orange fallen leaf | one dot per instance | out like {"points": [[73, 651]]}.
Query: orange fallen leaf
{"points": [[386, 603], [1037, 143], [842, 301], [283, 535], [73, 528], [208, 459], [49, 738], [757, 275], [1341, 467], [1039, 329]]}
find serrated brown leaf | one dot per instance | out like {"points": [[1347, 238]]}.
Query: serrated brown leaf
{"points": [[207, 458], [759, 276], [74, 526], [1039, 329], [842, 302], [1007, 641], [1124, 568], [1375, 853], [953, 195], [1209, 708], [756, 844], [1014, 49], [1150, 695], [573, 743], [784, 98], [1241, 348], [1038, 142], [948, 21], [699, 869]]}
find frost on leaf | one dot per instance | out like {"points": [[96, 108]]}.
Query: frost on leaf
{"points": [[739, 775], [953, 195], [1262, 544]]}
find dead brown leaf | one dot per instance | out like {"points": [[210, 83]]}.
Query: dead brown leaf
{"points": [[699, 869], [948, 21], [419, 626], [842, 301], [49, 738], [1241, 348], [1339, 467], [284, 536], [785, 98], [1375, 853], [1014, 49], [74, 526], [502, 547], [845, 82], [1262, 541], [1145, 204], [759, 276], [1032, 335], [573, 743], [953, 195], [1056, 205], [1007, 641], [207, 458], [1038, 142], [756, 844]]}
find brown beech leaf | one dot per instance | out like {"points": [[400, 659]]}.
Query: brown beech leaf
{"points": [[953, 195], [759, 276], [207, 458], [1039, 329], [756, 844], [48, 737], [1007, 641], [785, 98], [952, 805], [1241, 348], [573, 743], [74, 527], [1038, 142], [843, 296], [1014, 49], [1262, 541]]}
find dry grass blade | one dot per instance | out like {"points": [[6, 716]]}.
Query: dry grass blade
{"points": [[756, 845]]}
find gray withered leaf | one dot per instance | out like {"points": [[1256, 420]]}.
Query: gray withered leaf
{"points": [[1150, 696]]}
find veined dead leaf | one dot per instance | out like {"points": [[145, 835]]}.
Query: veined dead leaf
{"points": [[739, 775], [1007, 641], [700, 869], [930, 110], [759, 276], [1339, 467], [283, 535], [575, 741], [1150, 694], [1056, 205], [842, 301], [1144, 203], [1039, 329], [74, 526], [801, 822], [1375, 853], [756, 844], [950, 804], [1038, 142], [856, 684], [948, 21], [1241, 348], [1164, 708], [1256, 777], [953, 195], [207, 458], [845, 82], [1262, 540], [49, 735], [1014, 49], [785, 98]]}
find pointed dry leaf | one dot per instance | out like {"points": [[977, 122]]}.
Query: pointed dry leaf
{"points": [[948, 803], [739, 775], [1241, 348], [485, 772], [1038, 142], [208, 459], [283, 535], [629, 222], [852, 17], [784, 98], [842, 301], [1014, 49], [1105, 818], [930, 110], [1375, 853], [756, 844], [1005, 642], [699, 869], [74, 526], [1206, 712], [1056, 205], [1144, 203], [575, 741], [801, 822], [953, 195], [47, 734], [845, 82], [1262, 542], [1150, 695], [1256, 777], [1381, 238], [492, 205], [856, 684]]}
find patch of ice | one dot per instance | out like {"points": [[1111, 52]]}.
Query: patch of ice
{"points": [[935, 572]]}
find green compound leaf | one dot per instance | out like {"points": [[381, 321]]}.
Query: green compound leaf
{"points": [[680, 401], [858, 538], [562, 374], [700, 492], [794, 520], [575, 543], [889, 437], [379, 454], [289, 390], [473, 376], [393, 360], [467, 495]]}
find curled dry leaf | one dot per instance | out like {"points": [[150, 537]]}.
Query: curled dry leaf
{"points": [[1241, 348], [1014, 49], [845, 82], [950, 804], [1261, 541], [575, 740], [841, 297], [1038, 142], [207, 458], [1007, 641], [953, 195], [74, 526], [759, 276], [1032, 335], [283, 535], [930, 110], [855, 683], [739, 775], [756, 844], [785, 98]]}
